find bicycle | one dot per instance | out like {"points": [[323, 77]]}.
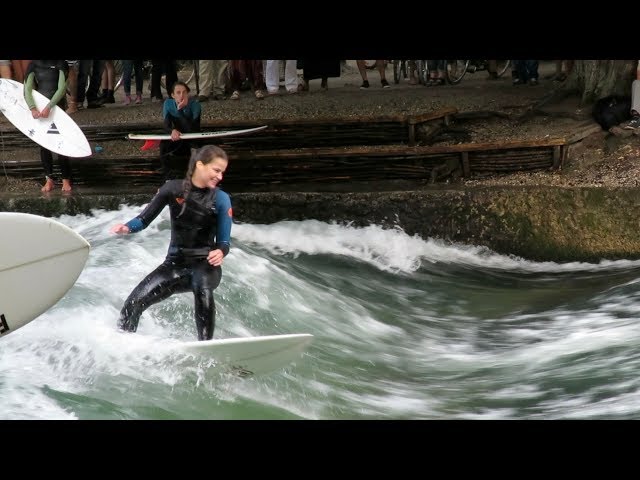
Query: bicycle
{"points": [[455, 70], [401, 70]]}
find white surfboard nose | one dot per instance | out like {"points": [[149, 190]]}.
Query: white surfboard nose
{"points": [[40, 260]]}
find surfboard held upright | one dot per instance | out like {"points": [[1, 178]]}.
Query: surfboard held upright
{"points": [[58, 132]]}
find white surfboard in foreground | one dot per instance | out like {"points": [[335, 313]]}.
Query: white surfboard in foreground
{"points": [[40, 260]]}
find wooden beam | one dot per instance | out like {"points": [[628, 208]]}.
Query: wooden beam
{"points": [[425, 117], [557, 155], [583, 133], [466, 168]]}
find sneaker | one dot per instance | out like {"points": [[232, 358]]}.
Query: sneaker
{"points": [[203, 98], [365, 84], [127, 99], [259, 94], [634, 123], [384, 83], [138, 99], [517, 81], [533, 81], [235, 95]]}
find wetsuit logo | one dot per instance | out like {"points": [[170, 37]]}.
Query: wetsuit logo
{"points": [[3, 324], [53, 129]]}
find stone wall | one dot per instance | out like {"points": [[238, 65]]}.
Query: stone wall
{"points": [[558, 224]]}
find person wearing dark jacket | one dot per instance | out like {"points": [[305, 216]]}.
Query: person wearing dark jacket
{"points": [[181, 114]]}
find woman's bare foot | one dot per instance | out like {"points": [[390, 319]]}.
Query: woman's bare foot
{"points": [[48, 186], [66, 185]]}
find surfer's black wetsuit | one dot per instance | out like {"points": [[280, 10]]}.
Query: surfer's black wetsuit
{"points": [[203, 225], [49, 77]]}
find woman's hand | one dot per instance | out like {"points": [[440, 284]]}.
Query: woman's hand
{"points": [[35, 113], [120, 229], [182, 103], [45, 112], [215, 257], [175, 135]]}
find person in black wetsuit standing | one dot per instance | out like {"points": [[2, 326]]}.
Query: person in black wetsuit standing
{"points": [[49, 77], [201, 219]]}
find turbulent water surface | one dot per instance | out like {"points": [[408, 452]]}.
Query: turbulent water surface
{"points": [[405, 328]]}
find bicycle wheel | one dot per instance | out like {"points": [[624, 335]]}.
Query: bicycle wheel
{"points": [[117, 65], [455, 70], [502, 66]]}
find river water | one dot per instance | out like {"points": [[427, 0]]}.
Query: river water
{"points": [[405, 328]]}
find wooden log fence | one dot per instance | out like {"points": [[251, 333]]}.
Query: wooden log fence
{"points": [[340, 150]]}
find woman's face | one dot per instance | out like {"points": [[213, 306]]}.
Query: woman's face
{"points": [[209, 174]]}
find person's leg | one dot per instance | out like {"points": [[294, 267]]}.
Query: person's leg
{"points": [[291, 76], [127, 68], [157, 67], [138, 70], [65, 170], [441, 77], [159, 285], [236, 76], [380, 65], [170, 75], [109, 76], [516, 71], [432, 66], [205, 73], [256, 77], [97, 67], [532, 71], [205, 280], [46, 157], [362, 68], [5, 69], [634, 123], [84, 68], [221, 77], [72, 86], [273, 76]]}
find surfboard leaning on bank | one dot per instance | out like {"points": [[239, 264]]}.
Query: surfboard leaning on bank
{"points": [[196, 135]]}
